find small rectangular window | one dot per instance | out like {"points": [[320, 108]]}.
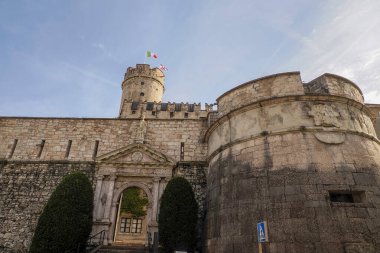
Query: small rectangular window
{"points": [[134, 105], [347, 196], [171, 114], [186, 115], [153, 113], [131, 225], [125, 225]]}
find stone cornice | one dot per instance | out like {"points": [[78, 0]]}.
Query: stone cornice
{"points": [[294, 130], [279, 100], [16, 161]]}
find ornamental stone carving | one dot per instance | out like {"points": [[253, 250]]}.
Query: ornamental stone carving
{"points": [[141, 131], [325, 115], [137, 156]]}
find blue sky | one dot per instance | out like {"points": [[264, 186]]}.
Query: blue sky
{"points": [[67, 58]]}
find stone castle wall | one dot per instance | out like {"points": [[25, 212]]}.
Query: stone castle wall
{"points": [[281, 156], [29, 176], [25, 188], [143, 84], [277, 149], [164, 135]]}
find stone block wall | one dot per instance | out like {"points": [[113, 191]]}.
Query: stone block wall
{"points": [[286, 180], [278, 85], [196, 174], [334, 85], [164, 135], [25, 188], [291, 159]]}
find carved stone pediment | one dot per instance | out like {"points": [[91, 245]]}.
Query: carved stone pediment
{"points": [[136, 153]]}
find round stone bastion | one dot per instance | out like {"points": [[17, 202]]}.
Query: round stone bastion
{"points": [[304, 157]]}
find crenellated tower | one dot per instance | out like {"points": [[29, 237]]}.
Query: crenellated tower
{"points": [[143, 88], [142, 84]]}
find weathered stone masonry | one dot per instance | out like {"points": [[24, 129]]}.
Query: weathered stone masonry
{"points": [[276, 149]]}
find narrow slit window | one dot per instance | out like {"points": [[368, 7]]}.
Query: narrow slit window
{"points": [[182, 150], [95, 150], [41, 145], [13, 148], [68, 149]]}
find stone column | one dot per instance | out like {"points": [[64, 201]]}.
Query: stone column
{"points": [[113, 221], [163, 184], [98, 190], [156, 182], [109, 198]]}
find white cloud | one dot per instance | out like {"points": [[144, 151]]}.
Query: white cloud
{"points": [[345, 41]]}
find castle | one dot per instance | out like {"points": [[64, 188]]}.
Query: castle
{"points": [[304, 157]]}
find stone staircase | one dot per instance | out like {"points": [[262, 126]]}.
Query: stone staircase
{"points": [[122, 249]]}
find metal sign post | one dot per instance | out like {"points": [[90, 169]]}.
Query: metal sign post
{"points": [[262, 234]]}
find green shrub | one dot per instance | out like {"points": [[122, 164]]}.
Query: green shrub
{"points": [[67, 217], [133, 202], [177, 220]]}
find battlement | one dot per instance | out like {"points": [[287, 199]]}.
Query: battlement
{"points": [[331, 84], [142, 84], [144, 70], [169, 110], [287, 84]]}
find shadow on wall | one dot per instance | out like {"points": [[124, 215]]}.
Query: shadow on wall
{"points": [[307, 210]]}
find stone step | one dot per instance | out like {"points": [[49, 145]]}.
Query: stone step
{"points": [[122, 249]]}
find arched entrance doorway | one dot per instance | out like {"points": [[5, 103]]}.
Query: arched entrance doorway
{"points": [[132, 217]]}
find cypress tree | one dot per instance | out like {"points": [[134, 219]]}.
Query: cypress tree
{"points": [[66, 219], [177, 220]]}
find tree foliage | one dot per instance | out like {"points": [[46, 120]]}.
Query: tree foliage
{"points": [[178, 216], [133, 202], [67, 217]]}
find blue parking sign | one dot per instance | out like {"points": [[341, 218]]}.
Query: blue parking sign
{"points": [[262, 231]]}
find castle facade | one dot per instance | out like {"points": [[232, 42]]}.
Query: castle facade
{"points": [[304, 157]]}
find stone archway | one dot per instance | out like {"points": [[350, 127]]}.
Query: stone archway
{"points": [[127, 229]]}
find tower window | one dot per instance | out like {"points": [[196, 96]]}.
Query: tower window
{"points": [[142, 94], [142, 83], [186, 115], [134, 106], [171, 114]]}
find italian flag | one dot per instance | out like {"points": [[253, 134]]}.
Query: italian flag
{"points": [[151, 54]]}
